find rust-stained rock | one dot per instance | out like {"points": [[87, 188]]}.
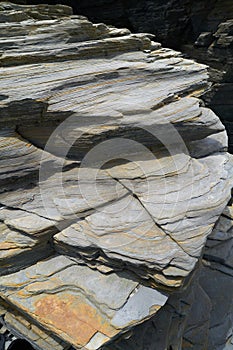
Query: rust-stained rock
{"points": [[78, 304]]}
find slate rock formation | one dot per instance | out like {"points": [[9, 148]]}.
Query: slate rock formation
{"points": [[199, 28], [200, 316], [112, 176]]}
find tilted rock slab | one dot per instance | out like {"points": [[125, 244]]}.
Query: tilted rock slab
{"points": [[199, 316], [112, 175]]}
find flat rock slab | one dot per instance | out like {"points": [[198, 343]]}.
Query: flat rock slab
{"points": [[82, 306]]}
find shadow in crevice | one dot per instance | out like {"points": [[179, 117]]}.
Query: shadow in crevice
{"points": [[20, 344]]}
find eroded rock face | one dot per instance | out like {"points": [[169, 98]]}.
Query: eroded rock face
{"points": [[173, 22], [202, 29], [200, 316], [112, 176]]}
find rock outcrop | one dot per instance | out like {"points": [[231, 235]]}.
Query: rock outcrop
{"points": [[199, 317], [218, 54], [201, 29], [112, 176]]}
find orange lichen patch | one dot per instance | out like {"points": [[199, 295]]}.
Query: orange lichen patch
{"points": [[72, 318]]}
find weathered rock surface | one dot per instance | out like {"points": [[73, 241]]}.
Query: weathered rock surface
{"points": [[200, 28], [82, 306], [112, 176], [200, 316], [173, 22]]}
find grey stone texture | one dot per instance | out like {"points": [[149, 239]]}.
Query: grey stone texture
{"points": [[113, 176]]}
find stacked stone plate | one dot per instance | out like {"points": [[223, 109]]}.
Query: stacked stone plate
{"points": [[112, 176]]}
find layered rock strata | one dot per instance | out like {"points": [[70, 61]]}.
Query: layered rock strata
{"points": [[200, 316], [218, 54], [201, 29], [112, 176]]}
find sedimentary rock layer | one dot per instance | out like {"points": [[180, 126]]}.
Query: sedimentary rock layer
{"points": [[112, 174], [200, 316], [201, 29]]}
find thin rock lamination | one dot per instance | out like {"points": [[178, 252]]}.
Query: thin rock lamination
{"points": [[112, 175]]}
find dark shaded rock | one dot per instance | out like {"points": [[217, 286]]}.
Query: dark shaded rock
{"points": [[204, 39], [174, 22], [20, 344]]}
